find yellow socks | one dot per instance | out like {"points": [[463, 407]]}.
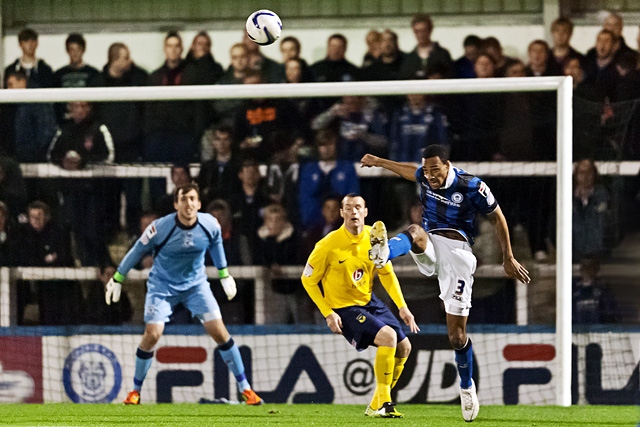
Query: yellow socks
{"points": [[397, 369], [383, 368]]}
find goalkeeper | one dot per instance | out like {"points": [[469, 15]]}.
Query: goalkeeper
{"points": [[178, 243]]}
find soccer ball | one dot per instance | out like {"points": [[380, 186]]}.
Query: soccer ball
{"points": [[264, 27]]}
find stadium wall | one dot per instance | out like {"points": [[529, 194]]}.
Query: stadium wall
{"points": [[512, 366]]}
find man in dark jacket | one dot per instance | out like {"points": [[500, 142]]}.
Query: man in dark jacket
{"points": [[124, 120], [39, 73], [45, 244], [427, 55], [81, 141]]}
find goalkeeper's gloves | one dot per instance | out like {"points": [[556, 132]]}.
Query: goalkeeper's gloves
{"points": [[228, 284], [113, 288]]}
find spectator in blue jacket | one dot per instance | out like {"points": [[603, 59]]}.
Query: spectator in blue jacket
{"points": [[420, 122], [323, 178]]}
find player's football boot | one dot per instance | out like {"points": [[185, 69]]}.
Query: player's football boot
{"points": [[379, 252], [388, 410], [469, 402], [251, 398], [133, 398]]}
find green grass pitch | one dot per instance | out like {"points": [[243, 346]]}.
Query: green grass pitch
{"points": [[309, 415]]}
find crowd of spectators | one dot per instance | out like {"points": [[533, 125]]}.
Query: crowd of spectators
{"points": [[308, 146]]}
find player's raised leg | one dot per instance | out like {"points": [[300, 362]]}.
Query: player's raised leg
{"points": [[144, 358], [231, 356], [413, 240], [456, 327]]}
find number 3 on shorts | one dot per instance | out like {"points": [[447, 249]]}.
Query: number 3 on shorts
{"points": [[460, 287]]}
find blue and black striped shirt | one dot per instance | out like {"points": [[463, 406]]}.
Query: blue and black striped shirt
{"points": [[454, 206]]}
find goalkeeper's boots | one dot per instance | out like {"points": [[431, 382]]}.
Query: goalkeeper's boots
{"points": [[133, 398], [469, 402], [379, 252], [251, 398], [388, 410]]}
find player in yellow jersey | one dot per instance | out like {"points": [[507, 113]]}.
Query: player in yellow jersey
{"points": [[341, 261]]}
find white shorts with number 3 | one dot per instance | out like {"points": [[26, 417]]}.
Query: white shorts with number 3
{"points": [[454, 264]]}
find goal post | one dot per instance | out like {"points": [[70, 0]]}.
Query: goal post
{"points": [[561, 85]]}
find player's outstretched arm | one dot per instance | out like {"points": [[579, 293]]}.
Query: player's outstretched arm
{"points": [[408, 319], [405, 170], [511, 266]]}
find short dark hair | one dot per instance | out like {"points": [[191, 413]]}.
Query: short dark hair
{"points": [[224, 127], [422, 17], [218, 205], [185, 188], [18, 74], [563, 21], [340, 37], [37, 204], [27, 34], [184, 166], [490, 42], [76, 38], [249, 162], [251, 73], [351, 195], [609, 32], [293, 40], [171, 34], [436, 150], [471, 40]]}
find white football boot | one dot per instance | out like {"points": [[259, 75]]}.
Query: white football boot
{"points": [[469, 402], [379, 252]]}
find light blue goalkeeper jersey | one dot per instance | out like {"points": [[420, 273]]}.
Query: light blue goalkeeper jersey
{"points": [[178, 252]]}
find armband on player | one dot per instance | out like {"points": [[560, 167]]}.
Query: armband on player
{"points": [[223, 272]]}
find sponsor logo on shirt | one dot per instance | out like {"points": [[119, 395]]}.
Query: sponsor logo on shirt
{"points": [[357, 275], [485, 192], [308, 270], [442, 199], [148, 234]]}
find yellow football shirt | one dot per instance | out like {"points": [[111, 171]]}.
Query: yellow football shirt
{"points": [[341, 261]]}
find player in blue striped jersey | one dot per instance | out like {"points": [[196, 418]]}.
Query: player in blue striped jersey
{"points": [[178, 243], [451, 200]]}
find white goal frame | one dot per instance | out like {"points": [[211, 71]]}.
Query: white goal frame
{"points": [[561, 85]]}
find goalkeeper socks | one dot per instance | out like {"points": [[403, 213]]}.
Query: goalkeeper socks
{"points": [[383, 371], [231, 356], [397, 369], [464, 360], [143, 363], [399, 245]]}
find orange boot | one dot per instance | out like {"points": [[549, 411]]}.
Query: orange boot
{"points": [[133, 398], [251, 398]]}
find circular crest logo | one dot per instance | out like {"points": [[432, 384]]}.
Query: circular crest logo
{"points": [[92, 374], [456, 197], [357, 275]]}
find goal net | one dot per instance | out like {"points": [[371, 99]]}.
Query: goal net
{"points": [[526, 348]]}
